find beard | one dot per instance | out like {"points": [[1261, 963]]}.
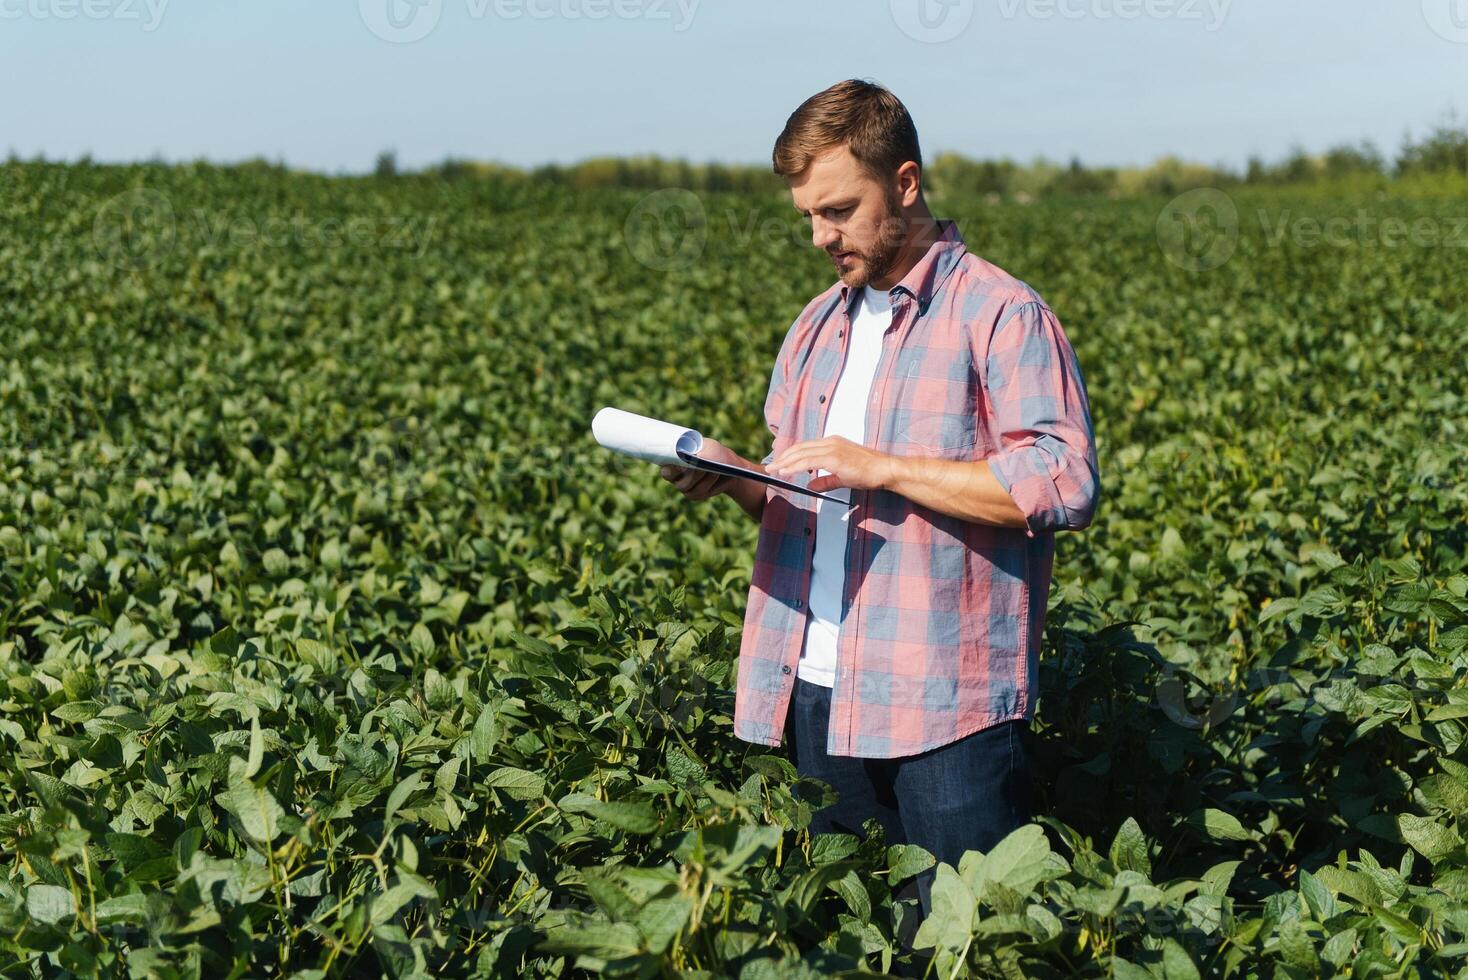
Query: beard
{"points": [[880, 259]]}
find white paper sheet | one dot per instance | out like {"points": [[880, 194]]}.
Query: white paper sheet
{"points": [[663, 442], [645, 438]]}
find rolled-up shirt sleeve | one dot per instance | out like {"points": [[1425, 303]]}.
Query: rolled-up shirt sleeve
{"points": [[1046, 447], [775, 401], [777, 396]]}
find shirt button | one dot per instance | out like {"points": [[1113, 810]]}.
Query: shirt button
{"points": [[821, 399], [785, 669], [798, 603], [807, 532], [840, 334]]}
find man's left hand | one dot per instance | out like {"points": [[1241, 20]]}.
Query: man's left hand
{"points": [[848, 463]]}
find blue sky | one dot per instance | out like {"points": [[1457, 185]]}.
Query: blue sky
{"points": [[326, 84]]}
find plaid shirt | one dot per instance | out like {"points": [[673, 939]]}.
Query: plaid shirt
{"points": [[941, 617]]}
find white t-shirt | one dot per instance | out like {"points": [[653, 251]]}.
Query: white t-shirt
{"points": [[847, 418]]}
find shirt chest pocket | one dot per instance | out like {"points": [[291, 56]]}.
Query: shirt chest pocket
{"points": [[936, 409]]}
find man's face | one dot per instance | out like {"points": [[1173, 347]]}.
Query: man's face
{"points": [[857, 220]]}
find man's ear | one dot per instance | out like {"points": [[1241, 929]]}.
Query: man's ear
{"points": [[909, 183]]}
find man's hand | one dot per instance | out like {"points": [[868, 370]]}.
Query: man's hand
{"points": [[849, 464], [701, 484], [966, 490]]}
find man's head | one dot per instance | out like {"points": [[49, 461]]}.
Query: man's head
{"points": [[850, 155]]}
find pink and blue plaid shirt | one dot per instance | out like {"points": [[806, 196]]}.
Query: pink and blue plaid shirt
{"points": [[941, 617]]}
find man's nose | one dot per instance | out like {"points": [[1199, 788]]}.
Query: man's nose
{"points": [[823, 234]]}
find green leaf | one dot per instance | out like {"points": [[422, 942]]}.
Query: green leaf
{"points": [[520, 784], [1218, 825], [486, 733], [825, 848], [637, 818], [610, 897], [954, 912], [1019, 862], [610, 940], [77, 711], [1339, 948], [1428, 837], [804, 890], [1317, 897], [851, 889], [906, 860], [257, 749], [661, 919], [421, 641], [257, 810], [123, 908], [1296, 947], [388, 903], [49, 904], [1176, 963], [1352, 884], [1216, 879], [1447, 791], [400, 793], [1129, 848]]}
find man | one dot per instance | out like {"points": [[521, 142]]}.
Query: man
{"points": [[893, 643]]}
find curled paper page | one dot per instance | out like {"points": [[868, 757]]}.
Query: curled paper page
{"points": [[663, 442], [645, 438]]}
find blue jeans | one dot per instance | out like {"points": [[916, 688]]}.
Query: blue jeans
{"points": [[966, 795]]}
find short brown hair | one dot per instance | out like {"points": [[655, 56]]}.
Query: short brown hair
{"points": [[871, 121]]}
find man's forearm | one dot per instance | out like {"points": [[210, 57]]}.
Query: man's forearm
{"points": [[965, 490]]}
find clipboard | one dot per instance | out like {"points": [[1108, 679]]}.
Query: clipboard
{"points": [[662, 442]]}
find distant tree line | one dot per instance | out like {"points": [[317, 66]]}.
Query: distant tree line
{"points": [[644, 172], [1442, 151]]}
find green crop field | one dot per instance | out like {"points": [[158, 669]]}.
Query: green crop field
{"points": [[332, 644]]}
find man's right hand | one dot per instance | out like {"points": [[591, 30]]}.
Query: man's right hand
{"points": [[701, 484]]}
